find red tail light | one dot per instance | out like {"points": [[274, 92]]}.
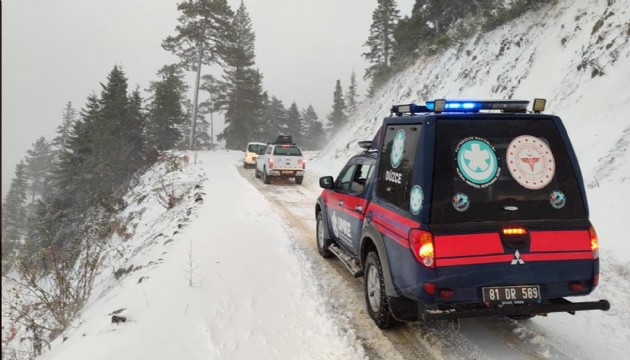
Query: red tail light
{"points": [[576, 286], [302, 163], [594, 242], [271, 163], [429, 288], [595, 280], [421, 243]]}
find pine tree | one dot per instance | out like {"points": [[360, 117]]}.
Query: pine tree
{"points": [[352, 94], [14, 213], [166, 110], [63, 131], [381, 39], [294, 123], [274, 119], [203, 27], [240, 93], [39, 164], [337, 118], [313, 129]]}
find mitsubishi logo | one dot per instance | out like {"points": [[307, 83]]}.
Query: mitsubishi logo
{"points": [[517, 259]]}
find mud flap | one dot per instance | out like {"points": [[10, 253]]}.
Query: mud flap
{"points": [[404, 309]]}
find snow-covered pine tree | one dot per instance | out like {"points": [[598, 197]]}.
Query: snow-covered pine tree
{"points": [[313, 129], [352, 94], [14, 213], [381, 41], [39, 165], [166, 109], [294, 122], [337, 117], [240, 94], [202, 29]]}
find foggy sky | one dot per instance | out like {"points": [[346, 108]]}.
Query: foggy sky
{"points": [[59, 51]]}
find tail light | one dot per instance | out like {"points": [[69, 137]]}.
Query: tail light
{"points": [[302, 163], [270, 163], [421, 243], [594, 242], [576, 286]]}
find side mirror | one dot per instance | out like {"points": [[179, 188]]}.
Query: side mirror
{"points": [[326, 182]]}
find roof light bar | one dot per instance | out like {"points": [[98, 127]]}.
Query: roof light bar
{"points": [[408, 109], [476, 105]]}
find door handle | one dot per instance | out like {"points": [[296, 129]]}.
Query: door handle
{"points": [[340, 202], [358, 209]]}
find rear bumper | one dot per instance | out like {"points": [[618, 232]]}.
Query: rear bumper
{"points": [[553, 305], [286, 173]]}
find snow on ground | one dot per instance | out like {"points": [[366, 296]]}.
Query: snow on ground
{"points": [[250, 299]]}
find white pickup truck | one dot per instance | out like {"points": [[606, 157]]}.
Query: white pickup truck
{"points": [[281, 161]]}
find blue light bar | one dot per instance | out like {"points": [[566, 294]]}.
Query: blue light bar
{"points": [[476, 105]]}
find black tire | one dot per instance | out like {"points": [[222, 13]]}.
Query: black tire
{"points": [[375, 296], [257, 173], [299, 180], [322, 242], [265, 177]]}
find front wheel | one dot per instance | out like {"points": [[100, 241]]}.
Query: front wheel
{"points": [[322, 242], [257, 173], [375, 296]]}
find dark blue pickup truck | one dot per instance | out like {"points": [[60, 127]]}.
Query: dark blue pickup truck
{"points": [[462, 208]]}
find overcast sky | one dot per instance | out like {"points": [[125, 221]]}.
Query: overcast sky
{"points": [[59, 51]]}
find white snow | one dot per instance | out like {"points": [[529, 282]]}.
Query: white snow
{"points": [[257, 294]]}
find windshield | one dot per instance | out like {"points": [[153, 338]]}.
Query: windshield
{"points": [[496, 170], [287, 150], [256, 148]]}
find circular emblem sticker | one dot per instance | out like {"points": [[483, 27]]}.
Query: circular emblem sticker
{"points": [[398, 148], [477, 163], [557, 199], [531, 162], [461, 202], [415, 199]]}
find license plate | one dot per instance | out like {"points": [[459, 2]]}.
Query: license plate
{"points": [[287, 173], [511, 294]]}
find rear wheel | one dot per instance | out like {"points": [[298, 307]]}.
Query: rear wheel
{"points": [[257, 173], [375, 296], [299, 179], [322, 242], [265, 177]]}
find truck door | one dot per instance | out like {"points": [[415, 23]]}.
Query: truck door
{"points": [[348, 202]]}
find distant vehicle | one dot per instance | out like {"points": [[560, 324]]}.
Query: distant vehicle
{"points": [[282, 159], [463, 209], [252, 151]]}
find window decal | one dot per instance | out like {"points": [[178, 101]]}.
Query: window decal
{"points": [[461, 202], [415, 199], [477, 163], [398, 148], [557, 199], [531, 162]]}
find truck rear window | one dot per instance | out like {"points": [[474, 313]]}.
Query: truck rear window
{"points": [[287, 150], [502, 170], [256, 148]]}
